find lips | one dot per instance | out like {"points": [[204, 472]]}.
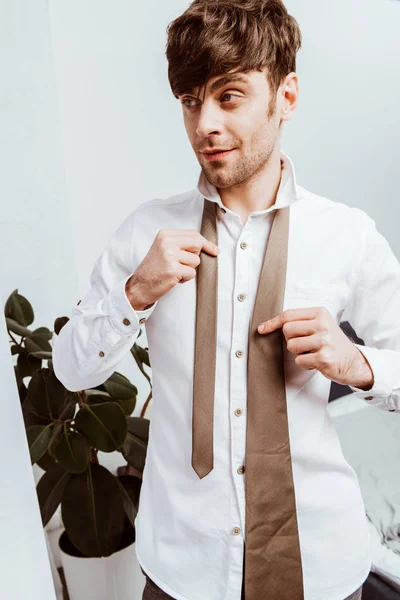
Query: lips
{"points": [[217, 154]]}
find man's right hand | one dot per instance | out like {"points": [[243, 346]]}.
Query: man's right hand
{"points": [[172, 258]]}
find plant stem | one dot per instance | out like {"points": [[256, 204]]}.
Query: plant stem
{"points": [[145, 405], [129, 470], [93, 456], [14, 340]]}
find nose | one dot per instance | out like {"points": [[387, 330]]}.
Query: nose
{"points": [[209, 121]]}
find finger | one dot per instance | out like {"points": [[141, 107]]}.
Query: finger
{"points": [[187, 273], [271, 324], [307, 361], [290, 314], [191, 259], [292, 329], [302, 345], [193, 241]]}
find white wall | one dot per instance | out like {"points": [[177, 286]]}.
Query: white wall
{"points": [[35, 228], [90, 129], [36, 257], [344, 137]]}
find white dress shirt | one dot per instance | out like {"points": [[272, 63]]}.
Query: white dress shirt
{"points": [[190, 531]]}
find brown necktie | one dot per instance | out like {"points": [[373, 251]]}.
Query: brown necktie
{"points": [[272, 549]]}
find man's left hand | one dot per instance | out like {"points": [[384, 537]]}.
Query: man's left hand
{"points": [[318, 342]]}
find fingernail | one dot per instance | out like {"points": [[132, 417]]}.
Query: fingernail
{"points": [[261, 328]]}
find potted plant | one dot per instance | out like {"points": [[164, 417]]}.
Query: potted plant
{"points": [[65, 431]]}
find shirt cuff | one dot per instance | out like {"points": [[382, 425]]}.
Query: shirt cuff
{"points": [[380, 388], [124, 318]]}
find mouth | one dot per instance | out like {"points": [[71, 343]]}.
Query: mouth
{"points": [[217, 155]]}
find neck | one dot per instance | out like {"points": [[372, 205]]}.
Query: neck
{"points": [[257, 193]]}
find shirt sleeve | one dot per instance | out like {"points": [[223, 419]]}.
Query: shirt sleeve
{"points": [[374, 313], [104, 325]]}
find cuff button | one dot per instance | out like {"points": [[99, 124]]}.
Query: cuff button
{"points": [[101, 353], [126, 322]]}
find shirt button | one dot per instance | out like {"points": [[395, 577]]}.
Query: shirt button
{"points": [[142, 320], [241, 470], [238, 412], [79, 301], [241, 297], [239, 353], [369, 397], [392, 410], [126, 322], [243, 245], [101, 353], [236, 530]]}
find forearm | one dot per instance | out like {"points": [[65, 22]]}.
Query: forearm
{"points": [[362, 376], [95, 339]]}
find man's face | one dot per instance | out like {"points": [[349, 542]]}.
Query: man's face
{"points": [[235, 112]]}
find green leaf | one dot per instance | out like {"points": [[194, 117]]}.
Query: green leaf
{"points": [[37, 343], [20, 385], [50, 491], [95, 397], [73, 452], [128, 406], [43, 332], [103, 425], [46, 462], [38, 439], [47, 459], [134, 449], [59, 324], [19, 309], [42, 355], [119, 387], [96, 527], [143, 354], [46, 393], [27, 365], [56, 434], [122, 391], [130, 490], [15, 327]]}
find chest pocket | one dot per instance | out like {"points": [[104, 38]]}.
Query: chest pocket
{"points": [[309, 293]]}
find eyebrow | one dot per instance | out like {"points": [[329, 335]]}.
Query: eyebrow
{"points": [[227, 79]]}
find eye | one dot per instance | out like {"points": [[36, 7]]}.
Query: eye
{"points": [[188, 100], [192, 102], [228, 94]]}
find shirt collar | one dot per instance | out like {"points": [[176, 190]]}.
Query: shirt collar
{"points": [[287, 191]]}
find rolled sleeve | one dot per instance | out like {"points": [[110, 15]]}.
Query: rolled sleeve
{"points": [[124, 318], [374, 313], [380, 389]]}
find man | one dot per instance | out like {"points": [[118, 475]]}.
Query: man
{"points": [[245, 492]]}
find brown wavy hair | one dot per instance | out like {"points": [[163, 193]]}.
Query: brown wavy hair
{"points": [[213, 37]]}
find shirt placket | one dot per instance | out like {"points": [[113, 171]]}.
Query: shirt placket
{"points": [[238, 367]]}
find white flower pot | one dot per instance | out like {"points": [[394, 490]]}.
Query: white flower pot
{"points": [[115, 577]]}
